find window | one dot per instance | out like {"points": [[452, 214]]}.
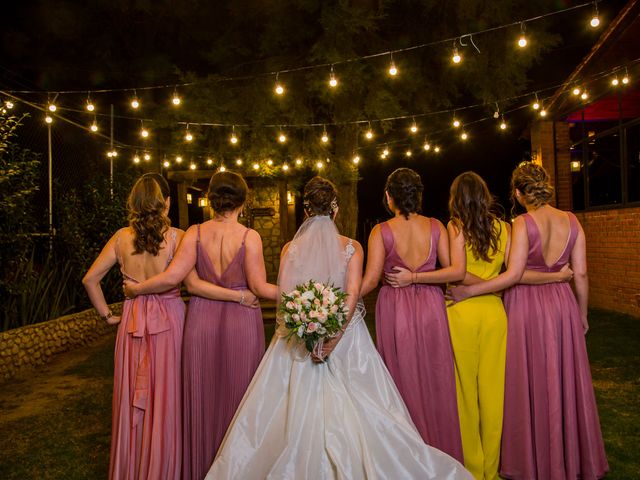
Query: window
{"points": [[632, 135]]}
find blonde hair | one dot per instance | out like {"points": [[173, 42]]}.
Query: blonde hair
{"points": [[533, 182]]}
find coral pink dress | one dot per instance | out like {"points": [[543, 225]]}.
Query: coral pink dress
{"points": [[413, 339], [146, 438], [551, 429], [223, 346]]}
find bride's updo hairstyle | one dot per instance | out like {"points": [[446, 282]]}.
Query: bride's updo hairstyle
{"points": [[320, 197], [227, 191], [147, 217], [533, 182], [404, 186]]}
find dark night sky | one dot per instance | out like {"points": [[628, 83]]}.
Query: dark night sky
{"points": [[489, 152]]}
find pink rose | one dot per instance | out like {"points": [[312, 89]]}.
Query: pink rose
{"points": [[290, 305], [312, 327]]}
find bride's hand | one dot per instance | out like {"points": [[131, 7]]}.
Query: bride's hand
{"points": [[400, 278], [327, 348]]}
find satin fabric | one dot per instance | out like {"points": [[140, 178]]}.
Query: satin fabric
{"points": [[223, 345], [414, 341], [146, 425], [551, 428], [478, 327], [340, 420]]}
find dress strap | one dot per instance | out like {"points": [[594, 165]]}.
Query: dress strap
{"points": [[244, 236], [349, 250], [387, 237], [198, 236], [171, 245], [435, 235]]}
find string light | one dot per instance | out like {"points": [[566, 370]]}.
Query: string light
{"points": [[385, 152], [135, 103], [94, 126], [282, 138], [522, 41], [279, 89], [256, 166], [146, 157], [9, 104], [90, 106], [625, 79], [178, 159], [426, 146], [52, 107], [192, 166], [356, 160], [176, 100], [464, 136], [456, 58], [144, 133], [298, 161], [615, 82], [576, 91], [233, 139], [503, 124], [319, 165], [48, 119], [595, 20], [393, 70], [369, 133], [584, 95], [166, 164], [222, 168], [270, 162], [543, 112], [188, 136], [333, 81], [325, 136], [408, 153], [209, 161], [536, 104], [285, 167], [436, 149], [136, 159], [414, 127], [239, 161], [456, 122]]}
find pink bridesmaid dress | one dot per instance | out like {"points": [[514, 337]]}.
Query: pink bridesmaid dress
{"points": [[223, 346], [551, 429], [146, 439], [413, 339]]}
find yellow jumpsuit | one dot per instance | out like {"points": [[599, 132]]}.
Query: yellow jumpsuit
{"points": [[478, 329]]}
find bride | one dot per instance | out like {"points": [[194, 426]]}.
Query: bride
{"points": [[337, 414]]}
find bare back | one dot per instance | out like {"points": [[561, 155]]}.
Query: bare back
{"points": [[554, 227], [412, 239], [221, 241], [142, 266]]}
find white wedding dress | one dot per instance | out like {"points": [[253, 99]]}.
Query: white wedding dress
{"points": [[343, 419]]}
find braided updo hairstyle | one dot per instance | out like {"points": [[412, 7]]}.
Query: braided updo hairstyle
{"points": [[320, 197], [533, 182], [227, 191], [405, 187], [147, 217]]}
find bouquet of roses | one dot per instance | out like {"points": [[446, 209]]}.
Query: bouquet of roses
{"points": [[313, 312]]}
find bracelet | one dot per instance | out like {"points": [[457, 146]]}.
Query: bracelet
{"points": [[107, 315], [241, 302]]}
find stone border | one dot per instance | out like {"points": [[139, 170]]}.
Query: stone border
{"points": [[26, 347]]}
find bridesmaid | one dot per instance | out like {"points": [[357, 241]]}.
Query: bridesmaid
{"points": [[224, 341], [146, 426], [551, 428], [411, 322]]}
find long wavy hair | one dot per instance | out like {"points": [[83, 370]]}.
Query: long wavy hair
{"points": [[473, 210], [147, 217]]}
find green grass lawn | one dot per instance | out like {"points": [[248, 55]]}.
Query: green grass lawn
{"points": [[56, 422]]}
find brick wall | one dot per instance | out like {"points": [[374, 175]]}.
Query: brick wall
{"points": [[613, 258]]}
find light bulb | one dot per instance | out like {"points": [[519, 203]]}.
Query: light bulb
{"points": [[147, 157], [136, 159], [393, 70], [383, 156], [192, 166], [356, 159], [279, 89], [319, 165], [114, 153], [256, 166], [90, 106], [576, 91], [536, 105], [333, 81], [176, 100], [282, 138], [464, 136], [503, 125], [584, 95], [166, 164], [595, 21], [48, 119], [369, 134], [178, 159], [188, 137], [385, 152], [52, 107], [426, 146], [285, 167], [456, 58], [9, 104], [414, 128], [456, 122], [615, 82], [135, 103], [543, 113], [239, 161], [209, 161], [144, 133], [522, 41], [408, 153], [625, 79], [436, 149], [94, 127], [222, 168], [324, 138], [269, 162], [298, 161], [233, 139]]}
